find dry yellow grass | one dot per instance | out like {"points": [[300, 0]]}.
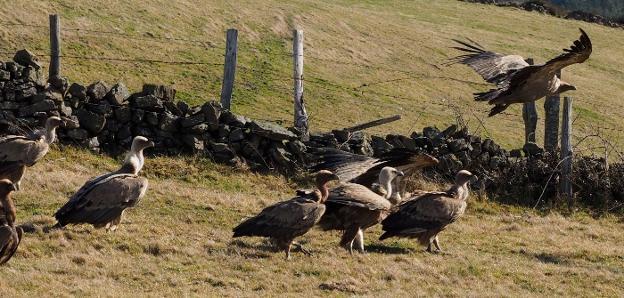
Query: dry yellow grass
{"points": [[408, 36], [177, 242]]}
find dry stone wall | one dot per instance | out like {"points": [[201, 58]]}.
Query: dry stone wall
{"points": [[106, 117]]}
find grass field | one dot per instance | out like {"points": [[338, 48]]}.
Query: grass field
{"points": [[394, 47], [178, 242]]}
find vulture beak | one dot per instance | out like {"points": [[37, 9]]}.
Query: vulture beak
{"points": [[150, 144], [334, 177], [474, 178], [400, 173], [13, 187]]}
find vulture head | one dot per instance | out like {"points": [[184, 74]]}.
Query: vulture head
{"points": [[135, 160], [386, 176], [321, 178], [463, 177], [563, 87], [425, 160], [50, 128], [6, 187]]}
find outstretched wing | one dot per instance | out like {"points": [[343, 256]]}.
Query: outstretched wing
{"points": [[493, 67], [365, 170], [102, 199], [579, 52]]}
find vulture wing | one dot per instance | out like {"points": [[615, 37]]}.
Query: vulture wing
{"points": [[491, 66], [10, 239], [287, 219], [579, 52], [432, 211], [102, 199], [365, 170], [22, 149], [12, 170], [351, 194]]}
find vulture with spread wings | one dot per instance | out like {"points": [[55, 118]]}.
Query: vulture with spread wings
{"points": [[428, 214], [517, 81], [287, 220], [19, 152], [103, 199], [10, 235]]}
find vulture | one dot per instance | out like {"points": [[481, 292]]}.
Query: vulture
{"points": [[10, 236], [287, 220], [353, 208], [102, 201], [364, 170], [428, 214], [19, 152], [517, 81]]}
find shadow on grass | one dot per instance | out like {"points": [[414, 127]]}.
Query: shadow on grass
{"points": [[386, 249]]}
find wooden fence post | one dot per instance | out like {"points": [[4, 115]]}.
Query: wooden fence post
{"points": [[551, 121], [566, 152], [229, 67], [55, 47], [529, 115], [301, 115]]}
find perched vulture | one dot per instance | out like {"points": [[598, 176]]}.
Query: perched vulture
{"points": [[517, 81], [427, 215], [19, 152], [10, 236], [287, 220], [364, 170], [353, 208], [103, 199]]}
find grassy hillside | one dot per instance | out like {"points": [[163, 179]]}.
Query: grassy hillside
{"points": [[178, 242], [357, 53]]}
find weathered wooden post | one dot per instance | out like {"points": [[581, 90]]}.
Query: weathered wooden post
{"points": [[551, 121], [566, 152], [229, 67], [529, 115], [55, 47], [301, 115]]}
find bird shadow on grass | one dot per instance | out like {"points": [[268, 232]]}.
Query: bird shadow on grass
{"points": [[262, 250], [386, 249]]}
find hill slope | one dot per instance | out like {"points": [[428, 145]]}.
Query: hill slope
{"points": [[364, 59], [177, 242]]}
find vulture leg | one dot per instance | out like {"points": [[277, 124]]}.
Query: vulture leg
{"points": [[436, 243], [301, 248], [112, 226], [348, 238], [359, 241], [288, 246], [429, 246]]}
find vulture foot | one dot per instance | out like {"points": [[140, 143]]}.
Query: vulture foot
{"points": [[302, 249]]}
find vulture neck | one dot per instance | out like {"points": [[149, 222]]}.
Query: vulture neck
{"points": [[389, 189], [8, 208], [459, 191], [324, 189], [50, 135], [133, 162]]}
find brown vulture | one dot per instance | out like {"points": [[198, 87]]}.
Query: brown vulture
{"points": [[427, 215], [364, 170], [103, 199], [353, 208], [287, 220], [19, 152], [10, 236], [517, 81]]}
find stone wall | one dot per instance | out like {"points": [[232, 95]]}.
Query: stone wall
{"points": [[105, 117]]}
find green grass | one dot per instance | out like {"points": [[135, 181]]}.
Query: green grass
{"points": [[342, 38]]}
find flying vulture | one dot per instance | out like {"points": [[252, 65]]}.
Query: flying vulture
{"points": [[517, 81], [19, 152], [10, 236], [287, 220], [364, 170], [353, 208], [103, 199], [427, 215]]}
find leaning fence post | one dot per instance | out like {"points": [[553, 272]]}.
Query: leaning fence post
{"points": [[529, 114], [301, 115], [566, 151], [229, 67], [551, 120], [55, 47]]}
